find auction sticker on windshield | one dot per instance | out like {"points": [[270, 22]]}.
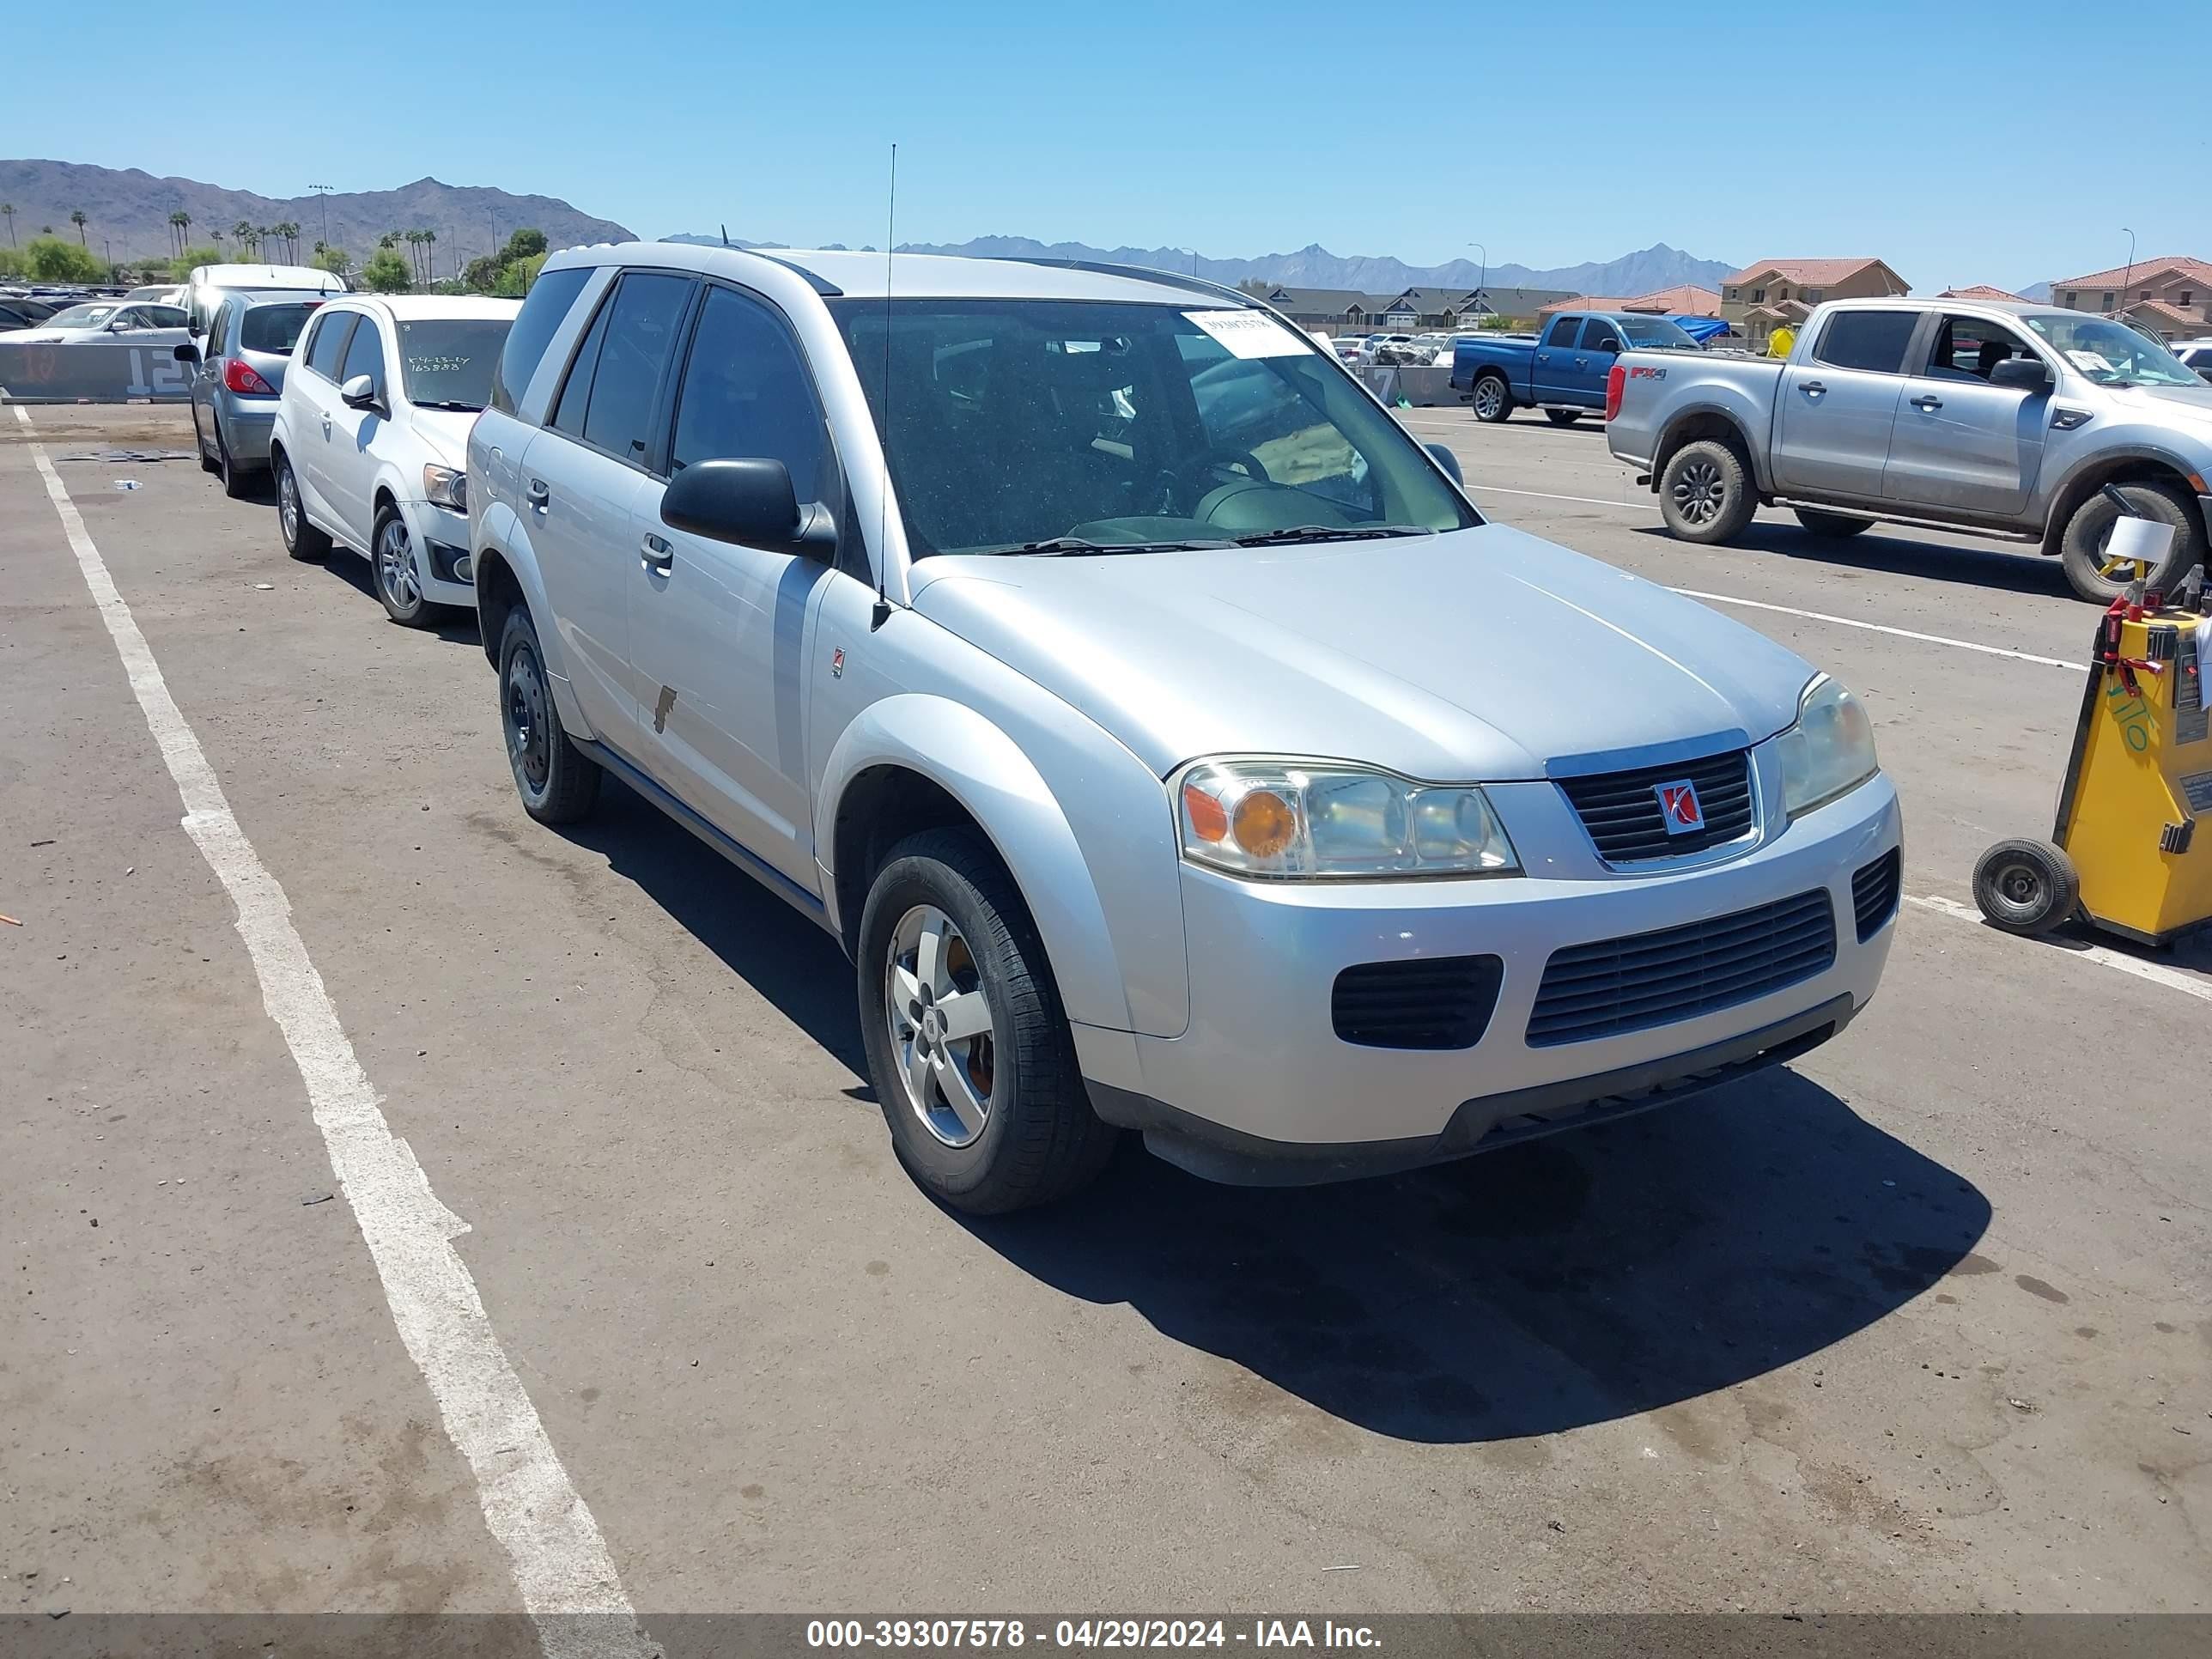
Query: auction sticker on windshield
{"points": [[1249, 333]]}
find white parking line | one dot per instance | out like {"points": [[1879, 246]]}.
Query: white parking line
{"points": [[561, 1563], [2173, 978], [1882, 628], [1545, 495]]}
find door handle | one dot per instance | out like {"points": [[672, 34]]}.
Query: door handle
{"points": [[1928, 403], [658, 555], [326, 426], [540, 497], [1813, 389], [1581, 362]]}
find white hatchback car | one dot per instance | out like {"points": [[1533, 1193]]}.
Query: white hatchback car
{"points": [[371, 440]]}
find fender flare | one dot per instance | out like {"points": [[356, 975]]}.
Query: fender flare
{"points": [[500, 536], [1709, 408], [2067, 494], [981, 767]]}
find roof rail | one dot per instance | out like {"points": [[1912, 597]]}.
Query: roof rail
{"points": [[1147, 273], [822, 285]]}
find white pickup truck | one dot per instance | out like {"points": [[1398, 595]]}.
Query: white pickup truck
{"points": [[2009, 421]]}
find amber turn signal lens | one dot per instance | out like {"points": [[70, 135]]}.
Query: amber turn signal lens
{"points": [[1208, 820], [1265, 823]]}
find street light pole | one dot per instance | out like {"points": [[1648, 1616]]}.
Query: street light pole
{"points": [[324, 191], [2130, 276]]}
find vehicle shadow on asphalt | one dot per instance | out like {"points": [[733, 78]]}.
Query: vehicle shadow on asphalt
{"points": [[1574, 1280], [794, 964], [451, 622], [2013, 569]]}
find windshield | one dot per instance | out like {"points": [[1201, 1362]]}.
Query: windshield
{"points": [[2109, 353], [1654, 334], [1074, 426], [447, 362], [274, 328], [82, 317]]}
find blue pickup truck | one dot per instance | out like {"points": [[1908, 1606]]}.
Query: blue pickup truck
{"points": [[1561, 371]]}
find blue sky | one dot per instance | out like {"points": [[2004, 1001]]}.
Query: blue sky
{"points": [[1963, 142]]}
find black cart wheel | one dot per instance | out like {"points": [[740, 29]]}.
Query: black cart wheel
{"points": [[2026, 886]]}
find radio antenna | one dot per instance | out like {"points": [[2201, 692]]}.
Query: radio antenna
{"points": [[883, 612]]}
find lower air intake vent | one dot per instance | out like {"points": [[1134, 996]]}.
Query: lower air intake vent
{"points": [[1440, 1002]]}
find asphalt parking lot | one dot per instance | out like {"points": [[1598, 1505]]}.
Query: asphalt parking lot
{"points": [[1923, 1322]]}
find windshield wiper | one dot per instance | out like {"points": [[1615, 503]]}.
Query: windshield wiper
{"points": [[1329, 532], [1056, 546], [449, 403]]}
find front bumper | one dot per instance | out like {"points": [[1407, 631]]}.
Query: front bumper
{"points": [[442, 564], [1260, 1086]]}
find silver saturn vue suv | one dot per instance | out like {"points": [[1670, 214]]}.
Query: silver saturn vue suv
{"points": [[1171, 745]]}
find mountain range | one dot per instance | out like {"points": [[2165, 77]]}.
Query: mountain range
{"points": [[1314, 266], [127, 213]]}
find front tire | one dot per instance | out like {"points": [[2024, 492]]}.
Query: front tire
{"points": [[1563, 417], [1704, 494], [398, 583], [968, 1046], [2081, 549], [2026, 887], [301, 539], [557, 781], [1493, 399], [1831, 524]]}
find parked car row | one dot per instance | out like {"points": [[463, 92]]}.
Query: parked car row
{"points": [[1132, 696], [2026, 421]]}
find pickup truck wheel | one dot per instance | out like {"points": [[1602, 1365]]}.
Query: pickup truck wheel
{"points": [[967, 1047], [1831, 524], [1493, 399], [557, 781], [1563, 417], [301, 539], [1704, 494], [2081, 549]]}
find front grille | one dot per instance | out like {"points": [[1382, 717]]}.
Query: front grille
{"points": [[1874, 892], [1443, 1002], [1620, 810], [1627, 984]]}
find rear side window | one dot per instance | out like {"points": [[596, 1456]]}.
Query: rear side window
{"points": [[540, 318], [364, 355], [635, 347], [1562, 331], [327, 345], [219, 337], [272, 328], [1871, 340]]}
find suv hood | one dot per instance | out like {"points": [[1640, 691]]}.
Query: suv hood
{"points": [[1479, 655]]}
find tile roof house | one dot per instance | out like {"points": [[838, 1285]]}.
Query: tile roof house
{"points": [[1684, 300], [2171, 294], [1762, 297], [1981, 291], [1347, 309]]}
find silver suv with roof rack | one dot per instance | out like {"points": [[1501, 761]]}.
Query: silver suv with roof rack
{"points": [[1168, 739]]}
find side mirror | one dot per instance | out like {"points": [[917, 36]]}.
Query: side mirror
{"points": [[1443, 458], [359, 393], [2022, 374], [186, 353], [121, 325], [748, 501]]}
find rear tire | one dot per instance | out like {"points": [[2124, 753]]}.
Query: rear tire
{"points": [[1037, 1139], [2026, 887], [1563, 417], [208, 463], [301, 539], [1831, 524], [1704, 493], [557, 781], [2081, 548], [234, 484], [1493, 399]]}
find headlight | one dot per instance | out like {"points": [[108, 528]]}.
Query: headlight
{"points": [[1830, 751], [1320, 818], [445, 486]]}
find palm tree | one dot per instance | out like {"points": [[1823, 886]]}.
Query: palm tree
{"points": [[8, 212], [415, 251], [243, 232], [289, 230], [390, 238], [430, 255], [76, 218], [177, 221]]}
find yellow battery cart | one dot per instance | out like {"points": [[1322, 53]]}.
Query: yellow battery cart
{"points": [[2127, 854]]}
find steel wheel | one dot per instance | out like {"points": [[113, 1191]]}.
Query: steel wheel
{"points": [[1698, 492], [940, 1025], [528, 721], [398, 585], [1489, 397]]}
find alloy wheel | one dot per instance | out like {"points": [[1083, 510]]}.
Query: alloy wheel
{"points": [[288, 503], [1698, 492], [1487, 397], [395, 568], [940, 1025]]}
